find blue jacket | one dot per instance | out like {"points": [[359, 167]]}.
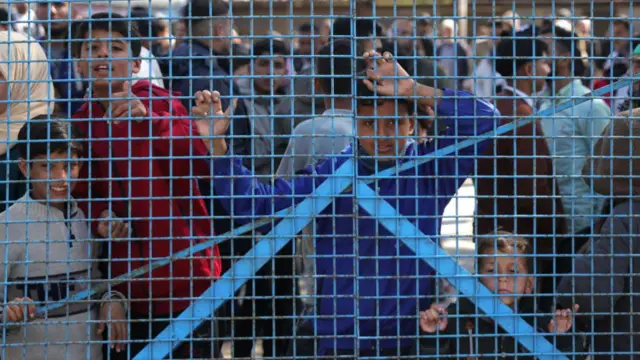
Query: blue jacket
{"points": [[393, 285]]}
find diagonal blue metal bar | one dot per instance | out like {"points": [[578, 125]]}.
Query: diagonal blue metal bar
{"points": [[457, 275], [224, 288], [190, 323]]}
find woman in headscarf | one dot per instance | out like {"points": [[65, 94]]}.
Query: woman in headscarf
{"points": [[26, 91]]}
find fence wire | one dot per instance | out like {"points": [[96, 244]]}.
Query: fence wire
{"points": [[189, 179]]}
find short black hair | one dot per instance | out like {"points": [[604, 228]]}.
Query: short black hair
{"points": [[364, 28], [115, 23], [270, 47], [622, 22], [567, 41], [148, 26], [306, 28], [4, 17], [47, 134], [202, 9], [518, 50], [335, 65]]}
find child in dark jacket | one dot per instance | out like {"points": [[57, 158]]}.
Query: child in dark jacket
{"points": [[143, 163], [363, 270], [505, 265]]}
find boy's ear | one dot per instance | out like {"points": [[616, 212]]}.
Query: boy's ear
{"points": [[135, 66], [527, 69], [528, 289], [317, 86], [23, 167]]}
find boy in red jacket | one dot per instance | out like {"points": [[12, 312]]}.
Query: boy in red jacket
{"points": [[141, 186]]}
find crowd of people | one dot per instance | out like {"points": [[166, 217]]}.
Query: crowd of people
{"points": [[126, 139]]}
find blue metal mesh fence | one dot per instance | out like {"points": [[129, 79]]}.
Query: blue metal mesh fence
{"points": [[318, 179]]}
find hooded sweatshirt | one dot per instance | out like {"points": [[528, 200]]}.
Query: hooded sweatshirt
{"points": [[363, 270], [167, 214]]}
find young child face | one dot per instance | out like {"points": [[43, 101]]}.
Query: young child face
{"points": [[53, 177], [507, 276], [383, 131], [106, 56]]}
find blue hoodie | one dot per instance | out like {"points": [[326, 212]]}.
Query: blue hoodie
{"points": [[392, 284]]}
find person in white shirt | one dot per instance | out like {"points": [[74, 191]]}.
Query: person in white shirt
{"points": [[48, 255], [26, 21], [149, 68]]}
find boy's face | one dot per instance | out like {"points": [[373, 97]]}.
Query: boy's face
{"points": [[383, 131], [263, 73], [106, 56], [52, 176], [507, 276]]}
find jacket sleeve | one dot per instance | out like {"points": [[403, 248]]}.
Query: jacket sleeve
{"points": [[465, 116], [602, 272], [245, 197], [92, 203], [442, 342], [567, 343]]}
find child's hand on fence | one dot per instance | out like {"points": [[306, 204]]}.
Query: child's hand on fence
{"points": [[563, 320], [122, 102], [209, 104], [119, 229], [392, 79], [16, 309], [434, 319], [113, 314]]}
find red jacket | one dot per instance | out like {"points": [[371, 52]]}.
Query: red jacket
{"points": [[154, 165]]}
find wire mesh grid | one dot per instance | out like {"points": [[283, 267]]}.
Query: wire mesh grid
{"points": [[318, 179]]}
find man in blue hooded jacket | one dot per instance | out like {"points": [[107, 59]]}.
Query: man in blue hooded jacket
{"points": [[370, 286]]}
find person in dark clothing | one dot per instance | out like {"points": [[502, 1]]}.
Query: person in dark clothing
{"points": [[604, 281], [460, 330], [202, 63], [515, 186], [308, 45], [58, 44]]}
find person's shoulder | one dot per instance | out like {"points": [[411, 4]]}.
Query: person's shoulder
{"points": [[325, 125]]}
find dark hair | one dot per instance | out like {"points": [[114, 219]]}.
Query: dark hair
{"points": [[306, 28], [518, 51], [115, 23], [148, 26], [202, 9], [364, 28], [402, 56], [46, 134], [4, 17], [567, 41], [622, 22], [335, 65], [505, 242], [270, 47]]}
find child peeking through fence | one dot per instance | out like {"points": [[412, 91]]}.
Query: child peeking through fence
{"points": [[505, 265], [369, 283], [141, 188], [48, 256]]}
